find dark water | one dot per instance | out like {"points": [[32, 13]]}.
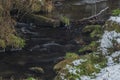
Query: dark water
{"points": [[46, 46]]}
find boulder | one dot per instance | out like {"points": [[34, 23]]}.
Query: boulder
{"points": [[62, 64]]}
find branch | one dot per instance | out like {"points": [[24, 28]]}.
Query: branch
{"points": [[96, 15]]}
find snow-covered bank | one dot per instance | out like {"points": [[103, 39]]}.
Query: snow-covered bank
{"points": [[88, 67], [112, 70], [108, 73], [107, 40]]}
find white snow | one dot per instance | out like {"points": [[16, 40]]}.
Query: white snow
{"points": [[71, 69], [106, 41], [115, 19], [115, 54], [108, 73], [118, 40], [78, 62]]}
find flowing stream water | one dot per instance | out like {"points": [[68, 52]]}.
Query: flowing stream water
{"points": [[47, 46]]}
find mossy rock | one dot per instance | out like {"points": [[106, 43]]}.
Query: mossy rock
{"points": [[92, 63], [37, 69], [111, 25], [62, 64], [69, 57]]}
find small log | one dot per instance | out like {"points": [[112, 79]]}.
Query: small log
{"points": [[91, 20], [41, 21]]}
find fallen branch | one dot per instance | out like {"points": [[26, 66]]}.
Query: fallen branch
{"points": [[96, 15]]}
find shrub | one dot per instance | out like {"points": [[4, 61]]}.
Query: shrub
{"points": [[8, 35]]}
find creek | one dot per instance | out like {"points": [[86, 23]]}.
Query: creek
{"points": [[47, 46]]}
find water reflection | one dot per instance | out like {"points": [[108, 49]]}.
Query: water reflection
{"points": [[79, 9]]}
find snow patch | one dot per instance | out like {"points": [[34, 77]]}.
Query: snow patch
{"points": [[115, 19], [108, 73], [107, 40], [78, 62]]}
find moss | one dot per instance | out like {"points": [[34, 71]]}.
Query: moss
{"points": [[41, 20], [110, 26], [17, 42], [93, 59], [93, 31], [88, 68], [90, 28], [92, 64], [31, 78], [116, 12], [2, 43], [91, 47], [59, 66], [97, 33], [71, 56], [65, 20]]}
